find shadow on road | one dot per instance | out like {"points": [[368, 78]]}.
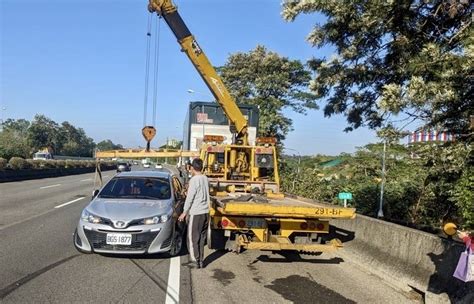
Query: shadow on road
{"points": [[300, 289], [294, 257], [442, 281], [214, 256]]}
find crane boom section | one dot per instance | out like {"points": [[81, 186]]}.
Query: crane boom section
{"points": [[189, 45]]}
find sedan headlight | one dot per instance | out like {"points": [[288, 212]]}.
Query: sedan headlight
{"points": [[90, 218], [156, 219]]}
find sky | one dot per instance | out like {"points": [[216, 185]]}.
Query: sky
{"points": [[83, 61]]}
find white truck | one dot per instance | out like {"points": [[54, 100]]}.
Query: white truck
{"points": [[208, 118]]}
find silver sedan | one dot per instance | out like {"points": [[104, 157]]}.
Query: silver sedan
{"points": [[134, 213]]}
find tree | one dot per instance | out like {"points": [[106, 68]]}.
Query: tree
{"points": [[44, 132], [273, 83], [22, 138], [75, 141], [393, 57], [19, 125], [13, 139], [108, 145]]}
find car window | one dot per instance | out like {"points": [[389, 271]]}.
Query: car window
{"points": [[137, 187]]}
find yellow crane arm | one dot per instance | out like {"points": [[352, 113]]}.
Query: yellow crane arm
{"points": [[189, 45]]}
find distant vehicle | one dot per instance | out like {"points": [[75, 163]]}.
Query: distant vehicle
{"points": [[135, 163], [122, 167], [134, 213], [43, 154], [47, 154], [158, 166]]}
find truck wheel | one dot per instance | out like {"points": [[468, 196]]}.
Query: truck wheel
{"points": [[215, 238]]}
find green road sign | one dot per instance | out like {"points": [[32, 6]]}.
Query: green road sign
{"points": [[345, 195]]}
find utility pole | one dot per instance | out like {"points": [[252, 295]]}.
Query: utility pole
{"points": [[380, 213]]}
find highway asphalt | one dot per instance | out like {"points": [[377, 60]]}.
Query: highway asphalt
{"points": [[39, 264]]}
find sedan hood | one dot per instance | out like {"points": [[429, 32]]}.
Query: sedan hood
{"points": [[128, 209]]}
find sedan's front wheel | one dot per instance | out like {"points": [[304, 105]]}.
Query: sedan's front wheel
{"points": [[176, 244]]}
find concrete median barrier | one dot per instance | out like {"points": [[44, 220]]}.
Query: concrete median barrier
{"points": [[26, 174], [407, 257]]}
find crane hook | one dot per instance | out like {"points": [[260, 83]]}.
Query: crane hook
{"points": [[148, 133]]}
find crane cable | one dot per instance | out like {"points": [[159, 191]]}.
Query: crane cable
{"points": [[147, 68], [155, 68]]}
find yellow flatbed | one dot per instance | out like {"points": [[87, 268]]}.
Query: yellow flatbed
{"points": [[251, 205]]}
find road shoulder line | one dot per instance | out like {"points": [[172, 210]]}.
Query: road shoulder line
{"points": [[172, 291]]}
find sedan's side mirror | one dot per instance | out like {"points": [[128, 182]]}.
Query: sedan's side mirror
{"points": [[94, 193]]}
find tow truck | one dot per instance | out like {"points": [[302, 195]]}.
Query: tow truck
{"points": [[248, 210]]}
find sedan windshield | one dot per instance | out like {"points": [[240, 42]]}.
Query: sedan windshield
{"points": [[137, 187]]}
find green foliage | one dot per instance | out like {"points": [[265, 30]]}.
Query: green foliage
{"points": [[426, 185], [74, 163], [464, 197], [18, 163], [392, 57], [74, 141], [50, 164], [20, 125], [34, 164], [46, 164], [3, 163], [108, 145], [13, 139], [22, 138], [273, 83], [44, 132], [89, 164]]}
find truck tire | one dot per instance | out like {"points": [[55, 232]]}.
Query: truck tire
{"points": [[215, 238]]}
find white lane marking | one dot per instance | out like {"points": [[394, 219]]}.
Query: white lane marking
{"points": [[70, 202], [86, 180], [105, 176], [172, 291], [50, 186]]}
